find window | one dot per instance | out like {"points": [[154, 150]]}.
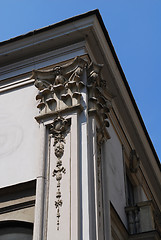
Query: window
{"points": [[15, 230], [130, 192]]}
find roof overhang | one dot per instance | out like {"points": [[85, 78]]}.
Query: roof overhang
{"points": [[90, 29]]}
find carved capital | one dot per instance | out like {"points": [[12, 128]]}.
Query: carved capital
{"points": [[59, 87], [97, 100]]}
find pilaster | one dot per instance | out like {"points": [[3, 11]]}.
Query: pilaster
{"points": [[73, 113]]}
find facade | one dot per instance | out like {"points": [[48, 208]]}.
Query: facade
{"points": [[76, 161]]}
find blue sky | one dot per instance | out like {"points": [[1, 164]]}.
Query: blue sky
{"points": [[134, 27]]}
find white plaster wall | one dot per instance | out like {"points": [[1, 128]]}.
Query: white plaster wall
{"points": [[114, 173], [19, 136]]}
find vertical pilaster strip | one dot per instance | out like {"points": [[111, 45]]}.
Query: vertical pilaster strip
{"points": [[84, 166], [61, 90], [40, 186], [98, 108], [74, 179], [92, 177], [100, 141], [106, 201], [85, 180]]}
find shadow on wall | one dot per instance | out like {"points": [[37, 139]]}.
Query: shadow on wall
{"points": [[16, 230]]}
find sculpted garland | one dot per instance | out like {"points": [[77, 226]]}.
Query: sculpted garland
{"points": [[59, 129]]}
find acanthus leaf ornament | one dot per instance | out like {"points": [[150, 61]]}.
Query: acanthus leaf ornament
{"points": [[60, 85], [59, 129], [60, 88], [97, 100]]}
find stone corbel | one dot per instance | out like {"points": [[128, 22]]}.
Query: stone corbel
{"points": [[134, 161], [58, 130]]}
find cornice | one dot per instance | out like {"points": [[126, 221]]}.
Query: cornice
{"points": [[53, 26], [42, 60], [43, 41]]}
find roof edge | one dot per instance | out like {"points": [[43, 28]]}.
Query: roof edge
{"points": [[55, 25], [127, 86], [98, 15]]}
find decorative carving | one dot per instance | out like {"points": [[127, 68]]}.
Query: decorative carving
{"points": [[134, 161], [59, 87], [101, 138], [59, 129], [97, 100]]}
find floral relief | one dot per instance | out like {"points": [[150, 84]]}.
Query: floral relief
{"points": [[59, 129]]}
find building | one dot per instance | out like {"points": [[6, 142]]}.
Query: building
{"points": [[76, 161]]}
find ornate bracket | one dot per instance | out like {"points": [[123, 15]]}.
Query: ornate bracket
{"points": [[59, 129], [134, 161]]}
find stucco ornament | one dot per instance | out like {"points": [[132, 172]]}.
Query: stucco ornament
{"points": [[134, 161], [62, 87], [96, 97], [59, 87], [59, 129]]}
